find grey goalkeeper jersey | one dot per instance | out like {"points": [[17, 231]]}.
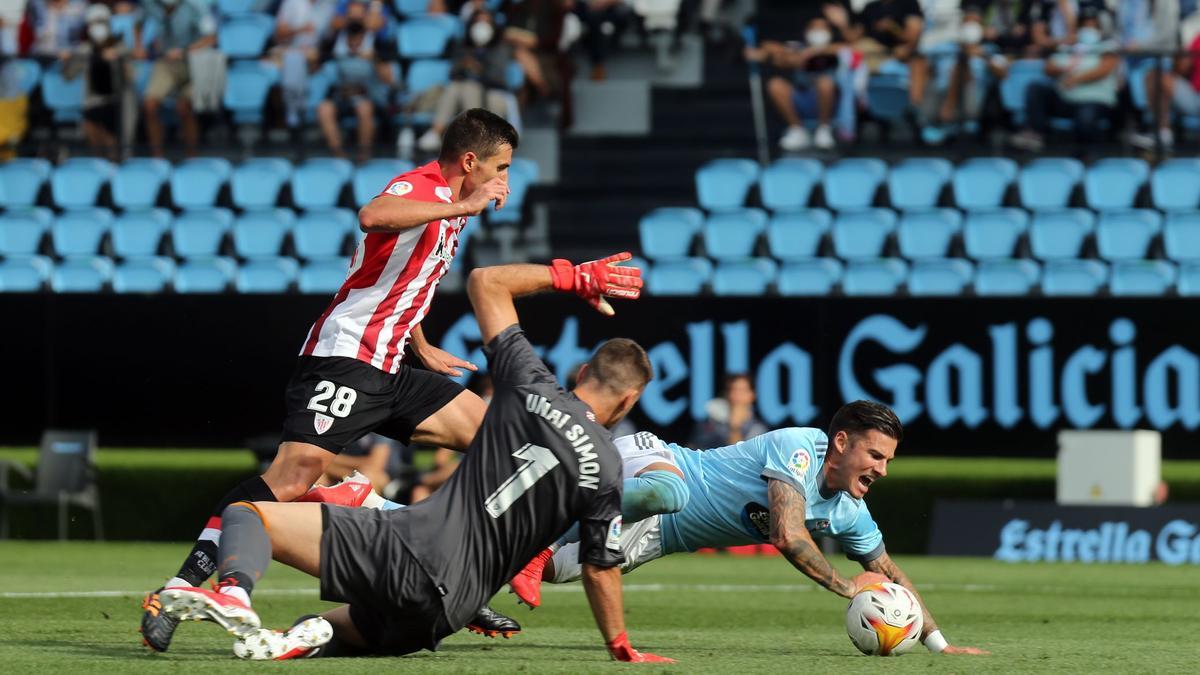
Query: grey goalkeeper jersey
{"points": [[539, 463]]}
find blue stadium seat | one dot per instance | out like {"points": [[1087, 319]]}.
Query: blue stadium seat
{"points": [[887, 96], [723, 184], [204, 275], [1175, 185], [21, 232], [1006, 277], [1181, 237], [256, 182], [198, 234], [1127, 235], [519, 183], [408, 8], [63, 97], [744, 277], [197, 183], [797, 235], [76, 183], [852, 183], [138, 234], [1021, 74], [817, 276], [684, 276], [981, 183], [260, 234], [1188, 281], [918, 183], [137, 182], [1142, 277], [1060, 234], [26, 274], [81, 275], [1074, 277], [266, 275], [77, 234], [318, 183], [1114, 183], [146, 275], [323, 277], [928, 234], [422, 38], [873, 277], [939, 277], [421, 76], [24, 73], [371, 178], [322, 234], [862, 234], [1047, 183], [732, 235], [994, 234], [245, 36], [668, 232], [21, 180], [235, 7], [788, 183], [247, 84]]}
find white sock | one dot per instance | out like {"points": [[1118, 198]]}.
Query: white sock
{"points": [[176, 582], [237, 592]]}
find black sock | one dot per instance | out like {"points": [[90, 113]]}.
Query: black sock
{"points": [[201, 562], [246, 549]]}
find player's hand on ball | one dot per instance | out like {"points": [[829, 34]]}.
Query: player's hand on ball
{"points": [[495, 189], [866, 579], [595, 280], [973, 651], [621, 650]]}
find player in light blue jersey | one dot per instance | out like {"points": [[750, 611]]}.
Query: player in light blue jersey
{"points": [[784, 487]]}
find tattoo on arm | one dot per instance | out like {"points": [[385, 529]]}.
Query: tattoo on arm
{"points": [[791, 537], [885, 566]]}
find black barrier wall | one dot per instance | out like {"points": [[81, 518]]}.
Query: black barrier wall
{"points": [[967, 376]]}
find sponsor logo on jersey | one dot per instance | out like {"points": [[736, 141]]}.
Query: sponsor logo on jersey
{"points": [[799, 462], [614, 535], [443, 250], [322, 423], [443, 192], [400, 188], [757, 519]]}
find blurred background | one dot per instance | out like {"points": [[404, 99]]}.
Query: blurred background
{"points": [[984, 214]]}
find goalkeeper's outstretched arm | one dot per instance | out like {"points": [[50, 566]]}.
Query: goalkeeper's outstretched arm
{"points": [[930, 635]]}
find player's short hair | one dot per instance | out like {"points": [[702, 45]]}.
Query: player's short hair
{"points": [[858, 417], [479, 131], [620, 364]]}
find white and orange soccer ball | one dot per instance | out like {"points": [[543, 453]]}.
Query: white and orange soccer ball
{"points": [[884, 620]]}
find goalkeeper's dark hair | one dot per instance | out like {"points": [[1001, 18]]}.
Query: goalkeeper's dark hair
{"points": [[858, 417], [620, 364], [479, 131]]}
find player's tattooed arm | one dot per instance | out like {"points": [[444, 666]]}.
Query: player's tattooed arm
{"points": [[887, 567], [791, 537]]}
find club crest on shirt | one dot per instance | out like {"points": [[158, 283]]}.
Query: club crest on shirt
{"points": [[613, 541], [322, 423], [798, 464], [400, 188], [444, 250]]}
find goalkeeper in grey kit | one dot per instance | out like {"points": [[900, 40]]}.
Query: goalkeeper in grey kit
{"points": [[542, 460]]}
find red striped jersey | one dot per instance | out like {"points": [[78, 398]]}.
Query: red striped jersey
{"points": [[391, 281]]}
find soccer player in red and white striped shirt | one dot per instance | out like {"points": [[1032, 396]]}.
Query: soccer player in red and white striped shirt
{"points": [[351, 378]]}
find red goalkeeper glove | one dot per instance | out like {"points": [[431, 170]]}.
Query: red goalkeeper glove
{"points": [[595, 280], [621, 650]]}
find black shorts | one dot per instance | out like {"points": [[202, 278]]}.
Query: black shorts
{"points": [[333, 401], [103, 115], [394, 604]]}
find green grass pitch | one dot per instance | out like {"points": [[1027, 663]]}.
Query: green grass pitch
{"points": [[73, 607]]}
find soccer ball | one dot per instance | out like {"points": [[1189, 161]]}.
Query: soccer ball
{"points": [[884, 620]]}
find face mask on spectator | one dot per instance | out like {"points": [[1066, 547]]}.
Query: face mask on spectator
{"points": [[1088, 35], [971, 33], [98, 32], [481, 33], [817, 37]]}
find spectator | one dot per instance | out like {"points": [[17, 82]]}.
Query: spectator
{"points": [[603, 20], [892, 29], [1178, 91], [730, 419], [108, 104], [14, 110], [184, 26], [1051, 23], [361, 73], [811, 90], [57, 26], [1085, 87], [537, 30], [478, 79], [12, 15], [1006, 24], [961, 73], [298, 28], [369, 12]]}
